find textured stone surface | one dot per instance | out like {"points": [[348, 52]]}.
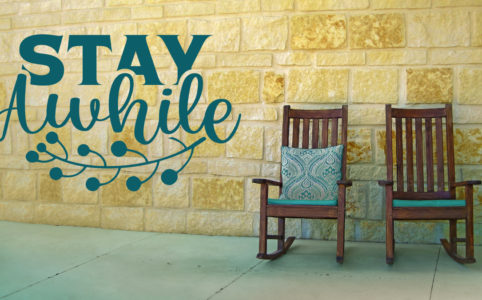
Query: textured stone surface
{"points": [[165, 220], [456, 56], [381, 4], [396, 57], [189, 9], [117, 194], [366, 114], [448, 3], [218, 193], [297, 58], [321, 86], [236, 86], [264, 33], [310, 5], [225, 33], [359, 145], [173, 196], [438, 29], [326, 229], [19, 186], [273, 87], [356, 200], [74, 190], [375, 86], [246, 143], [269, 5], [256, 114], [230, 167], [49, 190], [273, 144], [17, 212], [318, 32], [340, 59], [124, 218], [476, 39], [237, 6], [220, 223], [377, 31], [470, 88], [208, 148], [68, 214], [244, 60], [429, 85], [156, 46], [468, 145]]}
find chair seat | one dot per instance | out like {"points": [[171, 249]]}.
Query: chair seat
{"points": [[428, 203], [302, 202]]}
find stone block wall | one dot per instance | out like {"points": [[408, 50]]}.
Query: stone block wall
{"points": [[262, 55]]}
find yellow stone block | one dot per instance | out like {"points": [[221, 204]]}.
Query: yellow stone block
{"points": [[17, 212], [377, 31], [80, 16], [231, 167], [340, 59], [456, 56], [124, 218], [218, 193], [189, 9], [359, 146], [116, 14], [49, 190], [476, 29], [429, 85], [127, 136], [272, 148], [471, 114], [246, 143], [299, 58], [5, 24], [244, 60], [39, 20], [321, 86], [147, 12], [448, 3], [117, 194], [96, 138], [172, 196], [318, 32], [117, 34], [235, 86], [148, 93], [79, 4], [68, 214], [310, 5], [470, 88], [256, 114], [220, 223], [208, 148], [366, 115], [122, 2], [438, 28], [396, 57], [279, 5], [375, 86], [383, 4], [273, 87], [264, 33], [74, 190], [468, 146], [236, 6], [225, 33], [172, 221], [152, 29]]}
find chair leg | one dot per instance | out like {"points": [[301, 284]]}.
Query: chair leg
{"points": [[340, 239], [451, 247], [263, 229], [390, 240], [281, 233], [283, 245]]}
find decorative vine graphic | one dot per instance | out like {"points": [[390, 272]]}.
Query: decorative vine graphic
{"points": [[119, 149]]}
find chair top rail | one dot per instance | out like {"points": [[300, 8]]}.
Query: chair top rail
{"points": [[418, 113], [315, 114]]}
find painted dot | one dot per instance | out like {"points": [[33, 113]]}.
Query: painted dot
{"points": [[83, 150], [55, 173], [167, 92], [92, 184], [133, 183], [169, 176], [41, 147], [52, 137], [118, 148], [32, 156]]}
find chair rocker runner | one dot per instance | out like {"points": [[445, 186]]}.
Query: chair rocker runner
{"points": [[413, 195], [311, 136]]}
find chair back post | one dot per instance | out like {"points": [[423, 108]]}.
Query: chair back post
{"points": [[344, 126], [450, 150], [388, 137]]}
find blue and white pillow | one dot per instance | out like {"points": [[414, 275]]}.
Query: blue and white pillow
{"points": [[311, 174]]}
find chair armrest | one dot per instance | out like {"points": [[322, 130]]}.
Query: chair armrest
{"points": [[467, 182], [266, 181], [344, 182], [385, 182]]}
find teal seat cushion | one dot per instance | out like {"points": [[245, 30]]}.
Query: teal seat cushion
{"points": [[428, 203], [311, 174], [302, 202]]}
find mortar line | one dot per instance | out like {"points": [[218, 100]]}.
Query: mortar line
{"points": [[434, 273], [72, 268], [234, 280]]}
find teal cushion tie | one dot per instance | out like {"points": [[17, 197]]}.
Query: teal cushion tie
{"points": [[302, 202], [428, 203]]}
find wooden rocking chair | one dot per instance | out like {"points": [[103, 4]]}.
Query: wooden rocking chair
{"points": [[329, 119], [415, 197]]}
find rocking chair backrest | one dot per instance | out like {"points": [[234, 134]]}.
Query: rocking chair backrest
{"points": [[320, 129], [420, 143]]}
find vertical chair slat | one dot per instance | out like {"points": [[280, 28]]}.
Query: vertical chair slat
{"points": [[315, 132], [399, 153], [409, 153], [306, 133], [419, 153], [440, 154], [296, 132], [429, 153], [324, 133], [334, 131]]}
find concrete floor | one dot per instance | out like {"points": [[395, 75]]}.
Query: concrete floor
{"points": [[58, 262]]}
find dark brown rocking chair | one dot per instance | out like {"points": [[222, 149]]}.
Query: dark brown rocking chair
{"points": [[329, 120], [415, 197]]}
